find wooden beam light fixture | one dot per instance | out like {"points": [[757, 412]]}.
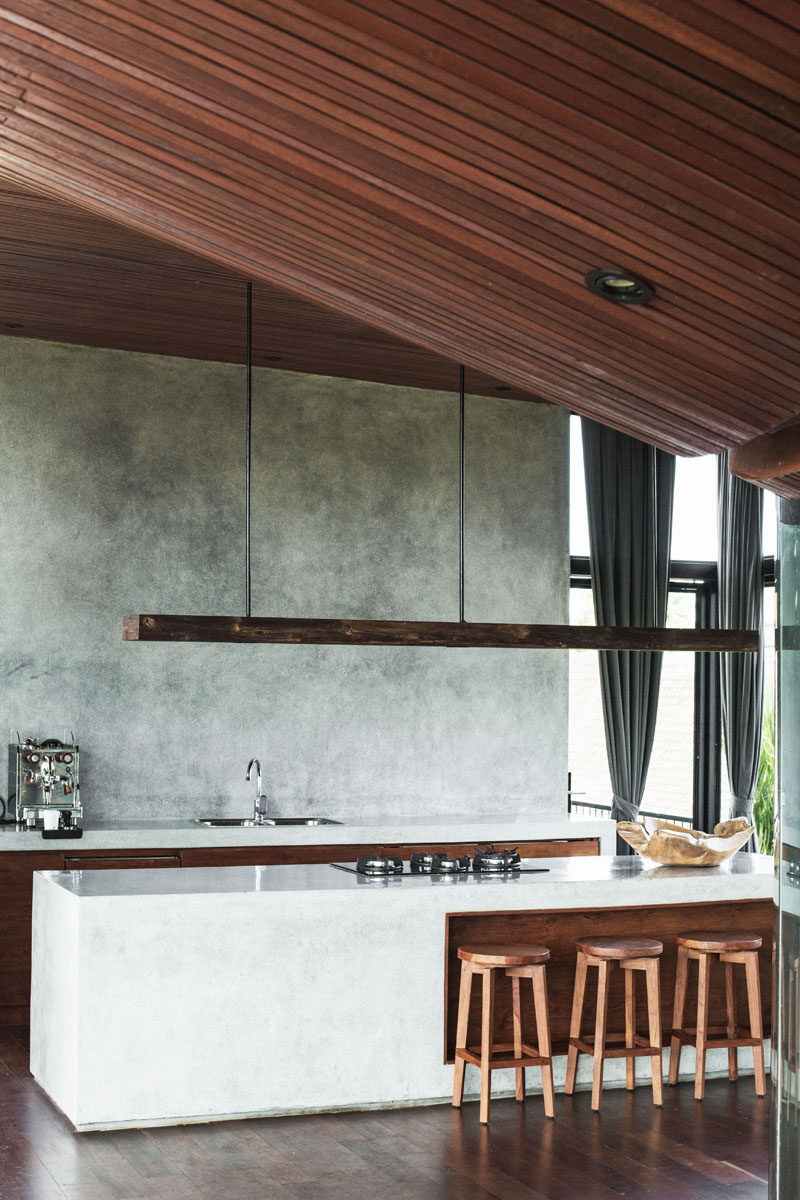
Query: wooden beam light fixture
{"points": [[169, 627], [305, 631]]}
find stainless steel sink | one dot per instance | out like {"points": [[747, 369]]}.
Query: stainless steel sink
{"points": [[227, 822], [249, 823], [300, 821]]}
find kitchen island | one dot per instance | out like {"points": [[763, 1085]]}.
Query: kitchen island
{"points": [[161, 997]]}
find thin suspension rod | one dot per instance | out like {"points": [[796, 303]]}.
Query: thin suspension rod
{"points": [[461, 495], [248, 453]]}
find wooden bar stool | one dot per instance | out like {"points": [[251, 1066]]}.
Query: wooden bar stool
{"points": [[518, 962], [631, 954], [730, 946]]}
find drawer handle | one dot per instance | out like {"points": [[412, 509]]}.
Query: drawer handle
{"points": [[127, 858]]}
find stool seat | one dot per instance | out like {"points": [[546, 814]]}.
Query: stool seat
{"points": [[620, 947], [719, 941], [487, 954]]}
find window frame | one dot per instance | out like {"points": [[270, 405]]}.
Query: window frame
{"points": [[699, 578]]}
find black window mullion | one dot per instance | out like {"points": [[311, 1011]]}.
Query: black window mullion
{"points": [[707, 723]]}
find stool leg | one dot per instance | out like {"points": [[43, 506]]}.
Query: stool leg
{"points": [[575, 1022], [543, 1038], [703, 973], [517, 1014], [654, 1020], [730, 1008], [464, 994], [677, 1012], [756, 1028], [630, 1028], [487, 1025], [600, 1033]]}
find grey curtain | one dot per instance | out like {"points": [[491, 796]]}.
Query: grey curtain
{"points": [[629, 488], [740, 508]]}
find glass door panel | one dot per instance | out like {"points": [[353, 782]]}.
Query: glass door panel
{"points": [[785, 1159]]}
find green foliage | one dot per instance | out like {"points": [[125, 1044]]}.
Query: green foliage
{"points": [[764, 804]]}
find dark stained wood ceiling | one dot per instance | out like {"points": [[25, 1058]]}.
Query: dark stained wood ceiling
{"points": [[69, 276], [446, 173]]}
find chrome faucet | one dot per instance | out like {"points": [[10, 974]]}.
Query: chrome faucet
{"points": [[261, 802]]}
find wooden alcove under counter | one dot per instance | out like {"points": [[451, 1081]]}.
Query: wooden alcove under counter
{"points": [[560, 929]]}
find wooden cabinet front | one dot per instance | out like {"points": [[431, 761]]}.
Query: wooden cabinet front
{"points": [[245, 856], [560, 848], [122, 862], [16, 903], [270, 856]]}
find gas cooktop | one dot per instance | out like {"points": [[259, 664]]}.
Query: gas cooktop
{"points": [[485, 862]]}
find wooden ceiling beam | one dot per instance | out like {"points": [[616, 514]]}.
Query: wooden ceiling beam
{"points": [[771, 456]]}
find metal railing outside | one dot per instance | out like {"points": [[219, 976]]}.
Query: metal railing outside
{"points": [[604, 810]]}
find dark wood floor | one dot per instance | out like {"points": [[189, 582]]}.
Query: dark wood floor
{"points": [[707, 1151]]}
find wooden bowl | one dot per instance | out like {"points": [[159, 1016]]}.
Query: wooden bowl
{"points": [[676, 846]]}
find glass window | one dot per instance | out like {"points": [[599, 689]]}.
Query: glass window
{"points": [[670, 780], [578, 524], [694, 510], [669, 788], [768, 738], [588, 764], [770, 529], [694, 515]]}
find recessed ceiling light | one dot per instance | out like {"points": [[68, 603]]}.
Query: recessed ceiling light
{"points": [[14, 325], [272, 358], [503, 387], [621, 287]]}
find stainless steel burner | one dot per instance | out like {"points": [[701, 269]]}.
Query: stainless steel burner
{"points": [[487, 864], [379, 866], [438, 864], [496, 861]]}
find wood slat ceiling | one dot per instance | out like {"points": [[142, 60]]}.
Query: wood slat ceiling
{"points": [[69, 276], [447, 172]]}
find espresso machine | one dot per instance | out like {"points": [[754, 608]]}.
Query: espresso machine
{"points": [[44, 786]]}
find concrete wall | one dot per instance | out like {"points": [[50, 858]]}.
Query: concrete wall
{"points": [[122, 491]]}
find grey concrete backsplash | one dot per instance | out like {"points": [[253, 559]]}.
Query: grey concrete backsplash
{"points": [[123, 491]]}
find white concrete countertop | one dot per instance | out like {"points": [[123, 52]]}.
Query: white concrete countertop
{"points": [[433, 828], [563, 883], [161, 997]]}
